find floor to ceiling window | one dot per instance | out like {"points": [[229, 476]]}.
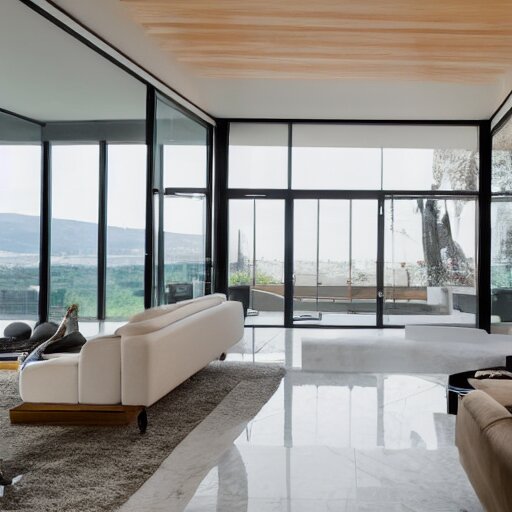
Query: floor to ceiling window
{"points": [[183, 205], [126, 223], [382, 219], [258, 161], [20, 172], [74, 229], [501, 220]]}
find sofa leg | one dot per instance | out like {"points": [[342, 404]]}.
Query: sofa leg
{"points": [[222, 357], [142, 421]]}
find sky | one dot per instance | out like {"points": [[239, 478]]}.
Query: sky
{"points": [[75, 186], [75, 195]]}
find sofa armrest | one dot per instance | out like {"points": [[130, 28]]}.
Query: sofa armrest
{"points": [[51, 381], [484, 440], [99, 371]]}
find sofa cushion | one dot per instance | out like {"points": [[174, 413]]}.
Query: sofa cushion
{"points": [[151, 313], [170, 317], [499, 389]]}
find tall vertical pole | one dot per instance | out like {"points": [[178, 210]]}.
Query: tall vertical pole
{"points": [[220, 202], [45, 234], [288, 240], [150, 171], [484, 224]]}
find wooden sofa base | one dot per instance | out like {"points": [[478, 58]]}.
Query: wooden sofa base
{"points": [[79, 414]]}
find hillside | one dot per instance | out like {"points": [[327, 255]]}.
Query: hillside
{"points": [[20, 234]]}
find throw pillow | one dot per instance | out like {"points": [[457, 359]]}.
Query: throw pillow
{"points": [[37, 353], [71, 343], [44, 332], [18, 331]]}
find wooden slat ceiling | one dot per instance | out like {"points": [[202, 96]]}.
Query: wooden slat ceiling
{"points": [[435, 40]]}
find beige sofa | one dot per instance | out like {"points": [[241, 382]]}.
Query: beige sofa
{"points": [[143, 360], [484, 440]]}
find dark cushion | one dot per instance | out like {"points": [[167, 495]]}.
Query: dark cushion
{"points": [[44, 332], [18, 331], [72, 342]]}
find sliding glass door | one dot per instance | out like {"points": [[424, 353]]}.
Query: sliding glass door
{"points": [[335, 261], [379, 221], [256, 258], [430, 260]]}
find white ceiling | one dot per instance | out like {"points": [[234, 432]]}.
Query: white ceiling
{"points": [[49, 75], [270, 98]]}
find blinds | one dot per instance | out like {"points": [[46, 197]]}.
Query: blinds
{"points": [[385, 136], [258, 134]]}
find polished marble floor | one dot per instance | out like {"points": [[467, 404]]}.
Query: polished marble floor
{"points": [[324, 442]]}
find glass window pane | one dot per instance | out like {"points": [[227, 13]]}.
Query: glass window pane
{"points": [[430, 158], [74, 229], [184, 251], [502, 159], [335, 253], [20, 171], [430, 169], [501, 260], [430, 261], [258, 155], [372, 157], [241, 241], [256, 259], [126, 222], [323, 157], [183, 146]]}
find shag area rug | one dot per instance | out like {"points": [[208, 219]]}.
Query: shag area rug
{"points": [[98, 468]]}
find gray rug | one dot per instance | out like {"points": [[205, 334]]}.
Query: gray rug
{"points": [[98, 469]]}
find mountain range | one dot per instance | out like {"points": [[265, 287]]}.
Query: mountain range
{"points": [[20, 234]]}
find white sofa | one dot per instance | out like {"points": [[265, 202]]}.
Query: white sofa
{"points": [[144, 360]]}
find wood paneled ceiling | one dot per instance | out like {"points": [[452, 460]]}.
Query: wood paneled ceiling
{"points": [[437, 40]]}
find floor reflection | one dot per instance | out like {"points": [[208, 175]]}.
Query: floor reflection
{"points": [[324, 442]]}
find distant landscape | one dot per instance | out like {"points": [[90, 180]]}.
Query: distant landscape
{"points": [[74, 264], [20, 234]]}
